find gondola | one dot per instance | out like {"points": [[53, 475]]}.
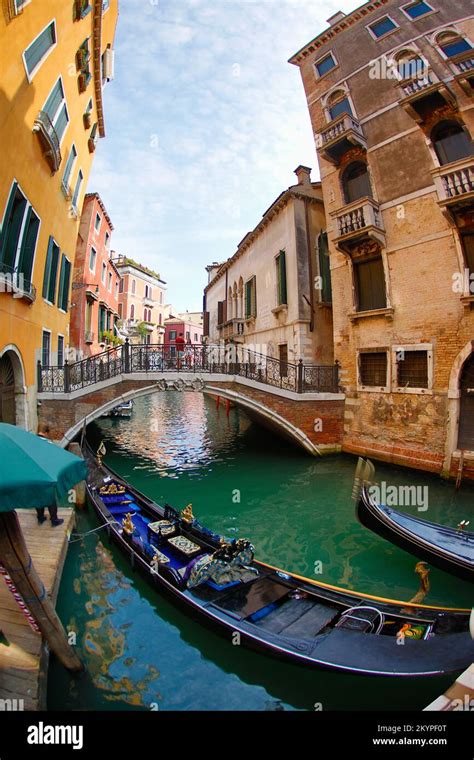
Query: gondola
{"points": [[450, 549], [275, 612]]}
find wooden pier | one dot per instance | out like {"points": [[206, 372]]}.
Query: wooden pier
{"points": [[24, 657]]}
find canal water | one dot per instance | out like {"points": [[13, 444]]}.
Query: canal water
{"points": [[142, 653]]}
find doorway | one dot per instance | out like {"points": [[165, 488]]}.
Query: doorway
{"points": [[466, 414]]}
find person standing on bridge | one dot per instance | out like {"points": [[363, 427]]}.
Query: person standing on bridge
{"points": [[180, 343], [53, 510]]}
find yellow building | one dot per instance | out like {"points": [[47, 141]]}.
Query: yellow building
{"points": [[55, 58]]}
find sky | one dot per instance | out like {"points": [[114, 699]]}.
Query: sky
{"points": [[205, 123]]}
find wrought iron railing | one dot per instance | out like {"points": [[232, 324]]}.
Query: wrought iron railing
{"points": [[13, 281], [230, 359]]}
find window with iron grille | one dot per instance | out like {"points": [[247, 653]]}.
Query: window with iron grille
{"points": [[373, 368], [412, 369]]}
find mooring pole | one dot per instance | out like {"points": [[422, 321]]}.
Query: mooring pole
{"points": [[16, 559]]}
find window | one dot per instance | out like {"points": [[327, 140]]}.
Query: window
{"points": [[132, 311], [161, 296], [370, 284], [92, 259], [196, 338], [251, 298], [160, 319], [120, 285], [109, 282], [46, 349], [325, 64], [410, 65], [356, 182], [68, 168], [19, 5], [451, 142], [64, 278], [383, 26], [120, 310], [283, 357], [56, 109], [467, 240], [324, 267], [221, 312], [77, 190], [107, 241], [60, 350], [97, 222], [417, 9], [116, 288], [373, 369], [412, 369], [453, 44], [134, 287], [188, 335], [51, 271], [19, 237], [104, 272], [83, 7], [35, 53], [105, 5], [281, 278], [172, 334], [338, 103], [102, 323]]}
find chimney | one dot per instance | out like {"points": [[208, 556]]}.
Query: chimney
{"points": [[304, 175], [334, 19]]}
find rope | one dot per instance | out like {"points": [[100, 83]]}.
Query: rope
{"points": [[80, 536], [19, 599]]}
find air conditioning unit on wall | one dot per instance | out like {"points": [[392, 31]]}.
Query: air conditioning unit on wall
{"points": [[108, 65]]}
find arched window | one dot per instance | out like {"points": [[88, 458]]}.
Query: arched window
{"points": [[337, 104], [452, 44], [134, 286], [451, 142], [132, 311], [356, 182], [410, 65]]}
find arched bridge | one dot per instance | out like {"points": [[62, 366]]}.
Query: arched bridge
{"points": [[301, 402]]}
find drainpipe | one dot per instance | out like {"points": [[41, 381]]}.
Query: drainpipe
{"points": [[310, 267]]}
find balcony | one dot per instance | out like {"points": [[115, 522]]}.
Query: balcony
{"points": [[14, 282], [358, 222], [455, 183], [148, 301], [340, 135], [49, 140], [232, 329], [89, 336], [463, 69], [420, 97]]}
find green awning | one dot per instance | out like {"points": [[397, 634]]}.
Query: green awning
{"points": [[34, 472]]}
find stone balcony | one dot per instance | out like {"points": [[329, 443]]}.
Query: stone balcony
{"points": [[455, 183], [233, 328], [419, 97], [463, 70], [358, 222], [338, 137], [49, 140]]}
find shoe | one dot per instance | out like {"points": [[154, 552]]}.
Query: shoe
{"points": [[56, 522], [41, 520]]}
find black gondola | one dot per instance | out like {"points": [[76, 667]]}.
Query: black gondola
{"points": [[267, 609], [450, 549]]}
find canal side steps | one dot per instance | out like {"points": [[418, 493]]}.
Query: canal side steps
{"points": [[23, 655]]}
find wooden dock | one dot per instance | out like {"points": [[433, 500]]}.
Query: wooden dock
{"points": [[24, 659]]}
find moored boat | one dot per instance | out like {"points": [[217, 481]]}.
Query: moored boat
{"points": [[279, 613], [449, 548]]}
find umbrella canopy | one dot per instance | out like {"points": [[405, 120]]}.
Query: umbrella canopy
{"points": [[33, 471]]}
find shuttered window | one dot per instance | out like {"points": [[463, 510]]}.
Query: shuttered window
{"points": [[370, 284], [56, 109], [69, 164], [412, 369], [468, 247], [281, 278], [60, 350], [251, 298], [324, 267], [28, 245], [77, 189], [51, 271], [39, 48], [64, 278], [46, 349], [373, 368], [19, 236], [206, 323], [221, 312]]}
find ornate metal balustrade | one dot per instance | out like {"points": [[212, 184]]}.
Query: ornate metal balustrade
{"points": [[230, 359]]}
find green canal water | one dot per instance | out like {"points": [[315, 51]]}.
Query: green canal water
{"points": [[142, 653]]}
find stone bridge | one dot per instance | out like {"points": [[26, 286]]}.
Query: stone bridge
{"points": [[300, 402]]}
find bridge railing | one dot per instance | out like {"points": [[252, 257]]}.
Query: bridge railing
{"points": [[230, 359]]}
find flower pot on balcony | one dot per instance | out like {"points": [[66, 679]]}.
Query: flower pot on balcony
{"points": [[87, 118], [82, 82]]}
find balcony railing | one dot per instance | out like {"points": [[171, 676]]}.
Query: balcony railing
{"points": [[419, 96], [463, 69], [14, 282], [455, 182], [233, 328], [412, 86], [49, 139], [339, 136], [194, 359], [361, 219]]}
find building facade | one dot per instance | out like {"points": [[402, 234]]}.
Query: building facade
{"points": [[51, 115], [274, 293], [389, 89], [141, 306], [96, 282], [184, 325]]}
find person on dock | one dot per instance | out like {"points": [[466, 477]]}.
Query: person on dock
{"points": [[43, 430]]}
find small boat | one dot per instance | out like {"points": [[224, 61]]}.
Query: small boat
{"points": [[450, 549], [124, 409], [265, 608]]}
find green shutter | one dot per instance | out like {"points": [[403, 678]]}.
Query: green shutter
{"points": [[51, 271], [38, 49], [47, 267], [6, 222], [254, 296], [61, 122], [12, 227], [248, 299], [324, 267], [282, 290], [54, 100], [61, 282], [67, 277], [28, 245]]}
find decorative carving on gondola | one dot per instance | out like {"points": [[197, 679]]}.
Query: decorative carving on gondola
{"points": [[187, 514], [127, 524], [101, 452], [462, 525]]}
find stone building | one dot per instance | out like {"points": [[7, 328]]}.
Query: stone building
{"points": [[96, 280], [142, 308], [56, 59], [389, 89], [274, 293]]}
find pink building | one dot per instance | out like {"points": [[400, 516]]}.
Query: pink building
{"points": [[190, 330]]}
